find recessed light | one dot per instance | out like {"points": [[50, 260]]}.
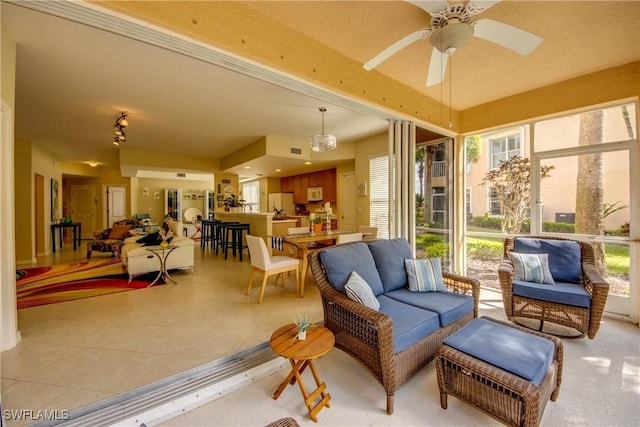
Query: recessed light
{"points": [[247, 167], [93, 164], [278, 170], [307, 163]]}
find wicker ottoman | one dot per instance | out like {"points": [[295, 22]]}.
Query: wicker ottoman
{"points": [[507, 371]]}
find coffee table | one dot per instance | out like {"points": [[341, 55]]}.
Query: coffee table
{"points": [[162, 253], [319, 342]]}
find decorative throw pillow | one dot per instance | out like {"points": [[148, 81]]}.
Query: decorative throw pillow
{"points": [[531, 267], [151, 239], [424, 275], [358, 289], [119, 232]]}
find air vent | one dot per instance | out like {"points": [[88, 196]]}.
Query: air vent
{"points": [[181, 175], [295, 151]]}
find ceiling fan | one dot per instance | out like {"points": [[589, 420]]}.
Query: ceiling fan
{"points": [[451, 27]]}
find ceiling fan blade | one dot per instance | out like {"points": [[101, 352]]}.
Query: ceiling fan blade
{"points": [[437, 67], [506, 35], [432, 6], [482, 5], [400, 44]]}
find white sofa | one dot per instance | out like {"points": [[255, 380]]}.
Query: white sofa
{"points": [[138, 260]]}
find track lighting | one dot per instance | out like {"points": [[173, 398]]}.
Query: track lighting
{"points": [[118, 128]]}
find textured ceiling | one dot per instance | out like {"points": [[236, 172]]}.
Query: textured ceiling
{"points": [[580, 37], [72, 79]]}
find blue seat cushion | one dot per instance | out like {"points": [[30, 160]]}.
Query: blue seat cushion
{"points": [[448, 305], [520, 353], [340, 261], [565, 258], [410, 324], [562, 293], [389, 256]]}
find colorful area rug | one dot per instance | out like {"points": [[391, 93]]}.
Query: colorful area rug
{"points": [[66, 282]]}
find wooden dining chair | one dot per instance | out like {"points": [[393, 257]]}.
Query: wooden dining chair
{"points": [[263, 262], [347, 238]]}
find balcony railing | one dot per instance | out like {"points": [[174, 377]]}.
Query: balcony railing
{"points": [[439, 169]]}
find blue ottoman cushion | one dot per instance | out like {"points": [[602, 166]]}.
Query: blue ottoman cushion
{"points": [[520, 353]]}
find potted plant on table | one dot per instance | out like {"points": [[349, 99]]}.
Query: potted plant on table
{"points": [[304, 323], [317, 224]]}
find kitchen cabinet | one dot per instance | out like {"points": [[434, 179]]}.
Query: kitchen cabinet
{"points": [[287, 184], [300, 185], [329, 186], [315, 179]]}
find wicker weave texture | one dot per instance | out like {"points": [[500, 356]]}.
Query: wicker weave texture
{"points": [[585, 320], [500, 394], [367, 335]]}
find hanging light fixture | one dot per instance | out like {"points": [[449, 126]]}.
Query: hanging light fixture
{"points": [[323, 142]]}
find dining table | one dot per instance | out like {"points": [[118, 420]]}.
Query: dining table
{"points": [[309, 241]]}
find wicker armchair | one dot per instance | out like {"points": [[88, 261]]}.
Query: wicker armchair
{"points": [[584, 319], [367, 335]]}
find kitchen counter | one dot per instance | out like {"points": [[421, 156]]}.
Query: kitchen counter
{"points": [[260, 223]]}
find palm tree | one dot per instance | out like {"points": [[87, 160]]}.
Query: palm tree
{"points": [[590, 183]]}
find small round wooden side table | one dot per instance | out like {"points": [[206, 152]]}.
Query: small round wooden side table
{"points": [[319, 341]]}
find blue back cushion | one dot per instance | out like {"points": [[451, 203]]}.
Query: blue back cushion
{"points": [[339, 261], [389, 257], [565, 261]]}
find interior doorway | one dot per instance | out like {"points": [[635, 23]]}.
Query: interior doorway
{"points": [[116, 204], [38, 208], [347, 198], [83, 206]]}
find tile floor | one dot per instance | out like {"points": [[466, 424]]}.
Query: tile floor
{"points": [[78, 352]]}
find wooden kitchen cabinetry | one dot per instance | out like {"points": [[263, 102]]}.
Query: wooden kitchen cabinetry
{"points": [[287, 184], [298, 185], [329, 186]]}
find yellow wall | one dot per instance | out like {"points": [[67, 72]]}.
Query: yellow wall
{"points": [[365, 150], [155, 206], [613, 84]]}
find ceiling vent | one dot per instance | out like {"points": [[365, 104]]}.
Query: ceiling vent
{"points": [[181, 175], [295, 151]]}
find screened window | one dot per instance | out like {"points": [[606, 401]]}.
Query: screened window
{"points": [[251, 195], [439, 203], [494, 202], [503, 149]]}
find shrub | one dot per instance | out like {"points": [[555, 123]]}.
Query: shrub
{"points": [[484, 249]]}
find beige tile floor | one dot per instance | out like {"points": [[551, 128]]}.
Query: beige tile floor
{"points": [[78, 352]]}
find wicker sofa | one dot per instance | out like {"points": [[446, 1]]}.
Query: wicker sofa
{"points": [[578, 295], [401, 337]]}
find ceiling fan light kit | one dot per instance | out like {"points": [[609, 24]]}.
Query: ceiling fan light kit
{"points": [[451, 27]]}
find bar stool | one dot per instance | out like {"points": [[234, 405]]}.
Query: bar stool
{"points": [[221, 234], [207, 233], [236, 243]]}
